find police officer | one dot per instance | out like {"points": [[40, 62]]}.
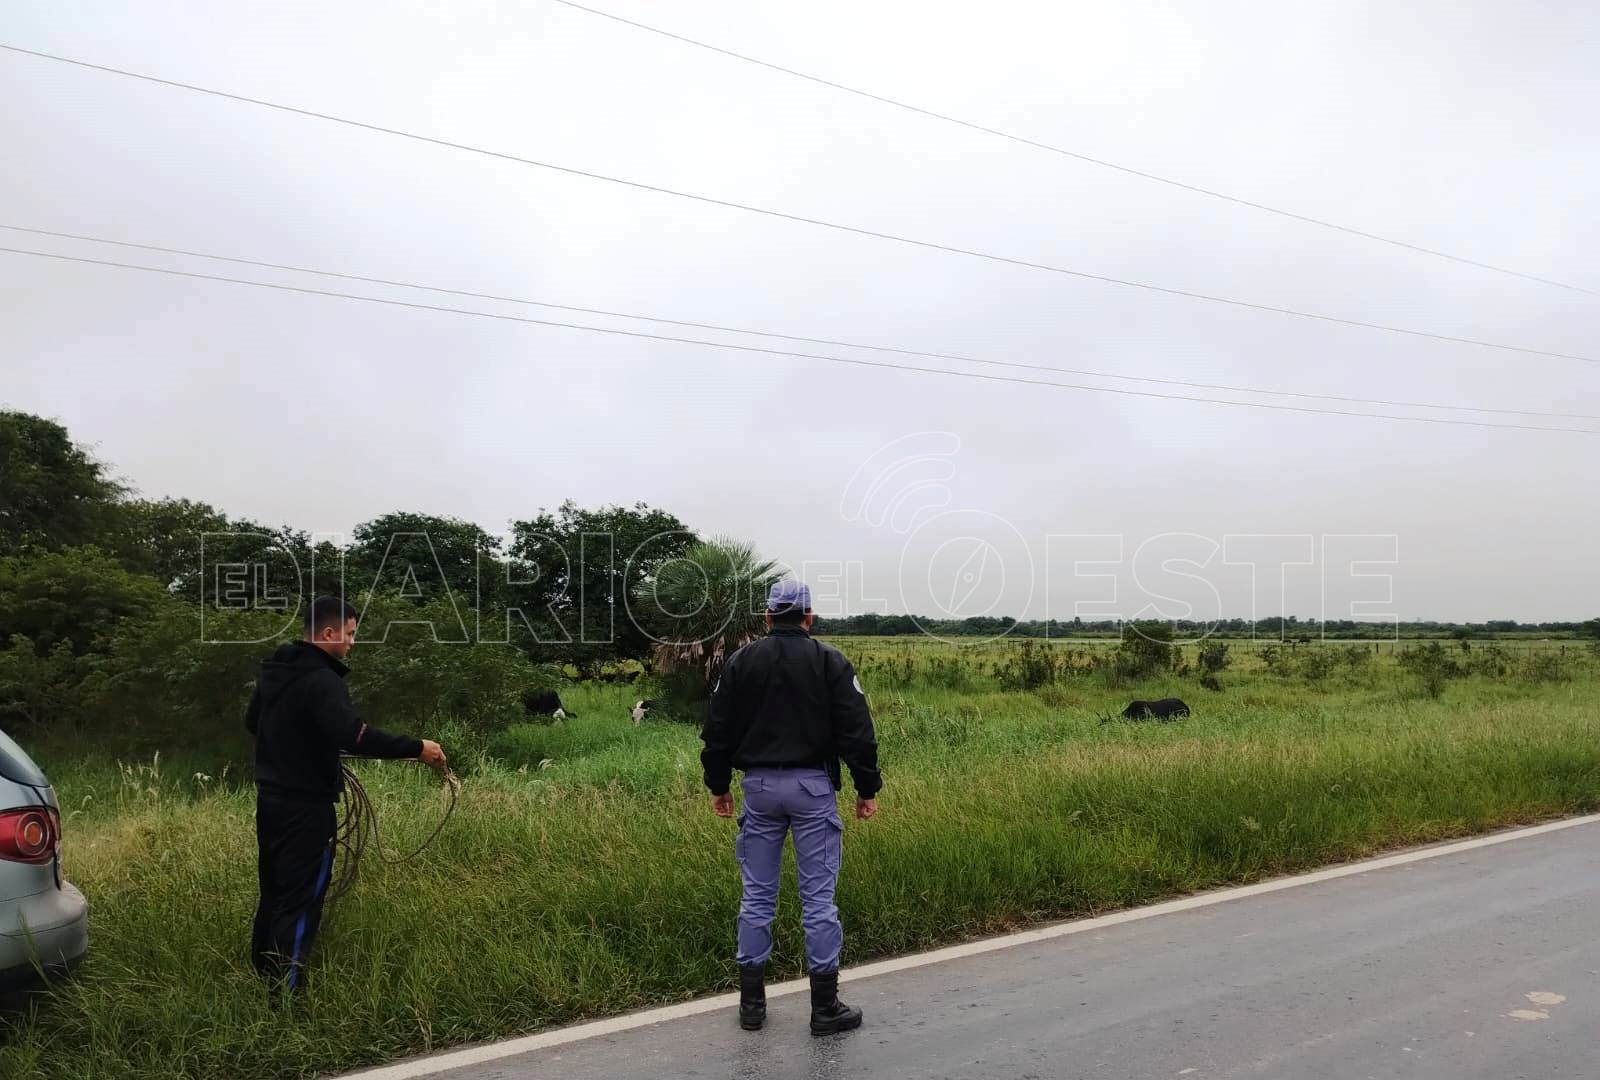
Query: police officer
{"points": [[785, 711], [302, 717]]}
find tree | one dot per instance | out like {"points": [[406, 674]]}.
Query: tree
{"points": [[162, 538], [262, 568], [712, 601], [1270, 627], [75, 596], [421, 557], [53, 494], [38, 688], [196, 553], [574, 575]]}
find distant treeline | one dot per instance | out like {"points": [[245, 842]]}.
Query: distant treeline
{"points": [[1273, 628]]}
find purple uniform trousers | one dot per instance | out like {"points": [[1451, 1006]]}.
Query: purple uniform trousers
{"points": [[777, 802]]}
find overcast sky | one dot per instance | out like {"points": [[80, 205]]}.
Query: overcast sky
{"points": [[1468, 128]]}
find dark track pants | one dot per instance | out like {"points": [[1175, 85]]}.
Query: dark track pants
{"points": [[294, 845]]}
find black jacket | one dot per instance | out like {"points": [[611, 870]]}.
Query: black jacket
{"points": [[302, 717], [789, 700]]}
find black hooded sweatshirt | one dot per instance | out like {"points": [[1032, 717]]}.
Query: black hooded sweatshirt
{"points": [[302, 717]]}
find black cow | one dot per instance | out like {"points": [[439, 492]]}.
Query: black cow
{"points": [[1166, 709], [545, 703]]}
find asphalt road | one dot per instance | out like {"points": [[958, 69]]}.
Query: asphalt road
{"points": [[1480, 964]]}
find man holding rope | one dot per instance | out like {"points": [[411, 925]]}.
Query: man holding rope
{"points": [[302, 718]]}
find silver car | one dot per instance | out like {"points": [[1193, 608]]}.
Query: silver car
{"points": [[44, 921]]}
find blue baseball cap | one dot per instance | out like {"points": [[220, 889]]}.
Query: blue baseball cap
{"points": [[788, 594]]}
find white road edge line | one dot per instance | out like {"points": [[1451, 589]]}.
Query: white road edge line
{"points": [[477, 1055]]}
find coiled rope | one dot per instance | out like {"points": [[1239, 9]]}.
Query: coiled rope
{"points": [[358, 828]]}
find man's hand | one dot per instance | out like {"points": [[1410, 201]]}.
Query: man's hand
{"points": [[865, 808], [432, 754], [722, 805]]}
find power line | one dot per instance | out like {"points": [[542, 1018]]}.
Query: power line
{"points": [[785, 216], [1387, 403], [1103, 163], [640, 335]]}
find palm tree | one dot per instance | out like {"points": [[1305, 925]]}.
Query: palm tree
{"points": [[711, 600]]}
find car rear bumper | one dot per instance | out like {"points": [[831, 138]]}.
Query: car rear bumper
{"points": [[50, 931]]}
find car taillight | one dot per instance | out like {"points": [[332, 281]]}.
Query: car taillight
{"points": [[29, 836]]}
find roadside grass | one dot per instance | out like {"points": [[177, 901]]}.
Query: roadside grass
{"points": [[583, 873]]}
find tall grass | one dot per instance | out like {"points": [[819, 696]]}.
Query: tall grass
{"points": [[584, 874]]}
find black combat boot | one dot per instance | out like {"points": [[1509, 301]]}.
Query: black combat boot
{"points": [[828, 1013], [752, 997]]}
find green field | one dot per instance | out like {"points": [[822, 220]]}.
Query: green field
{"points": [[584, 874]]}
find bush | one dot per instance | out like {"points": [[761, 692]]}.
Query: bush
{"points": [[1545, 666], [948, 673], [1317, 664], [1029, 667], [1432, 666], [683, 692], [889, 674], [1277, 659], [1213, 657], [153, 681], [1491, 661], [1358, 657], [1057, 696], [162, 679], [1146, 649], [411, 682]]}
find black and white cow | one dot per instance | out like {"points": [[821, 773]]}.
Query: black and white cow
{"points": [[541, 702]]}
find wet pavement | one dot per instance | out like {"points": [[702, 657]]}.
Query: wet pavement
{"points": [[1481, 964]]}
